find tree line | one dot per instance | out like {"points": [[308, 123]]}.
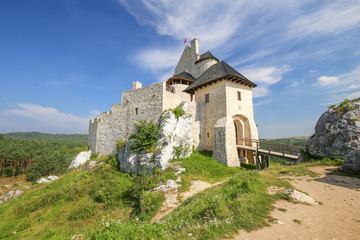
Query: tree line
{"points": [[34, 158]]}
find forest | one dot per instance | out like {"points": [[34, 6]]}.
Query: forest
{"points": [[70, 140], [36, 158]]}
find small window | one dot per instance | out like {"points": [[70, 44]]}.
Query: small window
{"points": [[136, 111], [207, 135], [207, 98], [239, 96]]}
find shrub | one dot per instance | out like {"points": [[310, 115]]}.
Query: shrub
{"points": [[181, 150], [344, 107], [113, 161], [120, 145], [145, 136], [178, 111]]}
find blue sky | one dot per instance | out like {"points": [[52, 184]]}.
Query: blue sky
{"points": [[64, 61]]}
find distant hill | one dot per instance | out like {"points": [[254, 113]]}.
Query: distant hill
{"points": [[70, 140], [297, 141]]}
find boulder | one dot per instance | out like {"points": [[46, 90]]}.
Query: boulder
{"points": [[80, 159], [175, 141], [10, 195], [299, 196], [48, 179], [337, 135]]}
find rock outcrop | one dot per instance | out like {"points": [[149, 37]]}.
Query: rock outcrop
{"points": [[48, 179], [80, 159], [337, 135], [175, 141], [10, 195], [299, 196]]}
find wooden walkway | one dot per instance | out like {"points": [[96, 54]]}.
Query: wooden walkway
{"points": [[265, 149]]}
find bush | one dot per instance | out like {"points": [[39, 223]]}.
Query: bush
{"points": [[178, 111], [120, 145], [145, 136]]}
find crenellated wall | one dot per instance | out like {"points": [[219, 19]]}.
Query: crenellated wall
{"points": [[145, 103]]}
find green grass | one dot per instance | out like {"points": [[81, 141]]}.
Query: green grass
{"points": [[75, 203], [301, 169], [202, 166], [240, 203], [109, 204]]}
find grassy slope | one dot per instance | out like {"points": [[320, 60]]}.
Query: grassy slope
{"points": [[79, 200], [64, 139]]}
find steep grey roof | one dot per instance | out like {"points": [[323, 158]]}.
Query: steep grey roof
{"points": [[184, 75], [206, 55], [216, 72]]}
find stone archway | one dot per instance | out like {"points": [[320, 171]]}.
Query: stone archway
{"points": [[242, 130], [239, 132]]}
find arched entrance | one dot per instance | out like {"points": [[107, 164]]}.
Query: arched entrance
{"points": [[239, 132], [243, 138]]}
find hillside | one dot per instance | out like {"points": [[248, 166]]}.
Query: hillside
{"points": [[105, 203], [71, 140], [296, 141]]}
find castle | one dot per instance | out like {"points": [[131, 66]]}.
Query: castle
{"points": [[219, 99]]}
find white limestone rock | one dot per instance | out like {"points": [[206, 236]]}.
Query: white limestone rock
{"points": [[299, 196], [53, 178], [44, 180], [338, 137], [174, 133], [169, 186], [10, 195], [80, 159], [48, 179]]}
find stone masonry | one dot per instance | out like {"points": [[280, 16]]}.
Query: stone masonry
{"points": [[218, 98]]}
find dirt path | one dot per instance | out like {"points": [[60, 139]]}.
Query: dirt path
{"points": [[172, 197], [336, 217]]}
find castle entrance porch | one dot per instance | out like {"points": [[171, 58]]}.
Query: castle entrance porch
{"points": [[243, 139]]}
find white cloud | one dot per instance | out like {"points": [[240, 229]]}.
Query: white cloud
{"points": [[296, 83], [354, 86], [260, 91], [51, 117], [270, 75], [325, 80], [333, 18], [262, 103], [264, 77], [158, 59], [314, 70], [353, 95], [94, 114]]}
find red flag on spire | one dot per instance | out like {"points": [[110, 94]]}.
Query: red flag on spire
{"points": [[185, 39]]}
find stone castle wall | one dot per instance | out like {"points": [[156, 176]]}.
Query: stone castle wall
{"points": [[209, 113], [144, 103]]}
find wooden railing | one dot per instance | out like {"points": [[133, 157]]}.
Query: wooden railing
{"points": [[272, 147]]}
